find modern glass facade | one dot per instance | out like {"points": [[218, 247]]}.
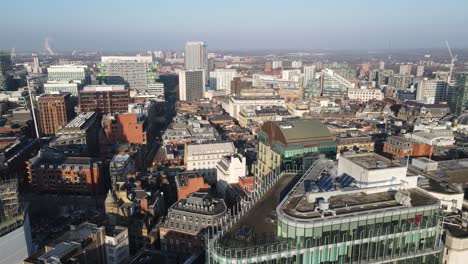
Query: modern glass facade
{"points": [[408, 235]]}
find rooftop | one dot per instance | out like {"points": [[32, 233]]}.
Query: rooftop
{"points": [[210, 148], [104, 88], [372, 161], [201, 203], [321, 194], [80, 120], [297, 131], [61, 250]]}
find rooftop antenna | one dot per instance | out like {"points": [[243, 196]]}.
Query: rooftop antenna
{"points": [[12, 55]]}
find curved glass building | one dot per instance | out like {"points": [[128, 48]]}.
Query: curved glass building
{"points": [[365, 211]]}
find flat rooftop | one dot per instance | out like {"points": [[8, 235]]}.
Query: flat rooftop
{"points": [[104, 88], [351, 204], [372, 161]]}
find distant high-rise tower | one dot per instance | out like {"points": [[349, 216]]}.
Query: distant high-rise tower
{"points": [[277, 64], [420, 71], [196, 56], [268, 67], [405, 69], [382, 65], [460, 99], [36, 67], [309, 74], [191, 84], [137, 72], [5, 67], [55, 110]]}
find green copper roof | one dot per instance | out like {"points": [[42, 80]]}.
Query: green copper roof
{"points": [[301, 130]]}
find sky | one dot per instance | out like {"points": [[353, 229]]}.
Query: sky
{"points": [[140, 25]]}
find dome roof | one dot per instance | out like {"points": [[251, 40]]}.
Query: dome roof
{"points": [[463, 119]]}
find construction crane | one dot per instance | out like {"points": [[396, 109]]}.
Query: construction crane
{"points": [[452, 62]]}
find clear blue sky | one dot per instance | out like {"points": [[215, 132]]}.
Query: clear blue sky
{"points": [[130, 25]]}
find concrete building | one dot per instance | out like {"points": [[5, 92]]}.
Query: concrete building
{"points": [[82, 133], [289, 75], [66, 87], [196, 56], [431, 91], [353, 140], [5, 69], [203, 158], [334, 85], [52, 171], [262, 114], [239, 103], [66, 73], [290, 145], [156, 89], [436, 137], [182, 131], [406, 69], [229, 169], [221, 79], [277, 64], [104, 99], [83, 243], [420, 71], [309, 74], [296, 64], [67, 78], [55, 111], [365, 95], [15, 232], [372, 170], [399, 81], [117, 245], [136, 72], [187, 221], [191, 84], [15, 98]]}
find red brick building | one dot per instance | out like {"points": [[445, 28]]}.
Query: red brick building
{"points": [[125, 128], [55, 111], [188, 183], [397, 147], [237, 85], [54, 172], [104, 99]]}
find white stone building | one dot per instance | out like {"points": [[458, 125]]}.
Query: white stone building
{"points": [[203, 158], [117, 245], [229, 169]]}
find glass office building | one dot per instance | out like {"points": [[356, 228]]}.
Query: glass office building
{"points": [[332, 216]]}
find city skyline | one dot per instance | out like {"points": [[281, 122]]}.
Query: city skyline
{"points": [[240, 25]]}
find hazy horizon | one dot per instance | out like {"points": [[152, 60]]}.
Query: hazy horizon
{"points": [[241, 25]]}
